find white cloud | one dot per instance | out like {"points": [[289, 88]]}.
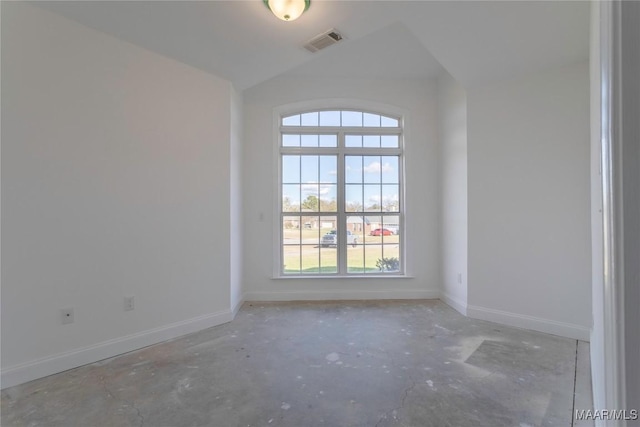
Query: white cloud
{"points": [[386, 199], [376, 167], [312, 188]]}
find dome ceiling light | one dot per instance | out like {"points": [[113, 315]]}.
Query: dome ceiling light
{"points": [[287, 10]]}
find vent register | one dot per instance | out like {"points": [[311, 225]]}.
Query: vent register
{"points": [[323, 40]]}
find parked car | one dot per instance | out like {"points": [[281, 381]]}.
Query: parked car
{"points": [[392, 228], [381, 232], [331, 239]]}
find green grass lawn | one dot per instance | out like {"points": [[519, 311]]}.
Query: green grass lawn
{"points": [[316, 259], [305, 233]]}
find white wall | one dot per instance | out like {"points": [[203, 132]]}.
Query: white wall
{"points": [[529, 211], [115, 182], [236, 228], [452, 134], [630, 132], [615, 108], [597, 341], [418, 98]]}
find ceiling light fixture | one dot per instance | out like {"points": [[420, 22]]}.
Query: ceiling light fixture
{"points": [[287, 10]]}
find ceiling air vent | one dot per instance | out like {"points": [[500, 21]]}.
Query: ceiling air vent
{"points": [[323, 40]]}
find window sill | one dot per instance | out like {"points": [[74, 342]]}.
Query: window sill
{"points": [[368, 276]]}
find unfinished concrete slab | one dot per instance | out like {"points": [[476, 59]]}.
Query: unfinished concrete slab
{"points": [[584, 396], [305, 364]]}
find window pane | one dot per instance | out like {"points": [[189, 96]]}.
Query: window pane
{"points": [[353, 198], [351, 118], [328, 198], [372, 120], [389, 122], [390, 260], [353, 169], [329, 237], [329, 260], [309, 169], [290, 140], [390, 141], [290, 169], [371, 141], [372, 198], [291, 259], [372, 169], [291, 120], [353, 141], [310, 201], [328, 169], [329, 118], [391, 248], [309, 119], [327, 224], [309, 140], [310, 231], [328, 140], [291, 198], [355, 259], [291, 244], [310, 259], [291, 230], [328, 253], [357, 226], [390, 198], [390, 169], [374, 227], [392, 223], [372, 254]]}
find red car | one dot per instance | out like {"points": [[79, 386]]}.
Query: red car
{"points": [[380, 232]]}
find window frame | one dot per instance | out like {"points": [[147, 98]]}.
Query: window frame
{"points": [[340, 151]]}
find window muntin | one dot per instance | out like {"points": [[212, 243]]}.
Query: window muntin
{"points": [[343, 118], [307, 140], [341, 187]]}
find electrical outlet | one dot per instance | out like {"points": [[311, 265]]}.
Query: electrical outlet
{"points": [[66, 315], [129, 303]]}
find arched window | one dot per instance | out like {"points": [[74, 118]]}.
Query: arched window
{"points": [[340, 185]]}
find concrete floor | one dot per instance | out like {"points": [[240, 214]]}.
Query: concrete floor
{"points": [[305, 364]]}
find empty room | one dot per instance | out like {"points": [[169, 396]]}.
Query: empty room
{"points": [[319, 213]]}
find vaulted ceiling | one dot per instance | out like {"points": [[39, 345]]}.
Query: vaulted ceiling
{"points": [[475, 41]]}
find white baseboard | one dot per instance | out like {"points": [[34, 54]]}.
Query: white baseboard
{"points": [[236, 308], [29, 371], [562, 329], [455, 303], [331, 295]]}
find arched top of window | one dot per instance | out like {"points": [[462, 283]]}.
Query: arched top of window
{"points": [[341, 118]]}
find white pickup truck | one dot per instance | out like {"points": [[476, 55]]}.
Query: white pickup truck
{"points": [[331, 239]]}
